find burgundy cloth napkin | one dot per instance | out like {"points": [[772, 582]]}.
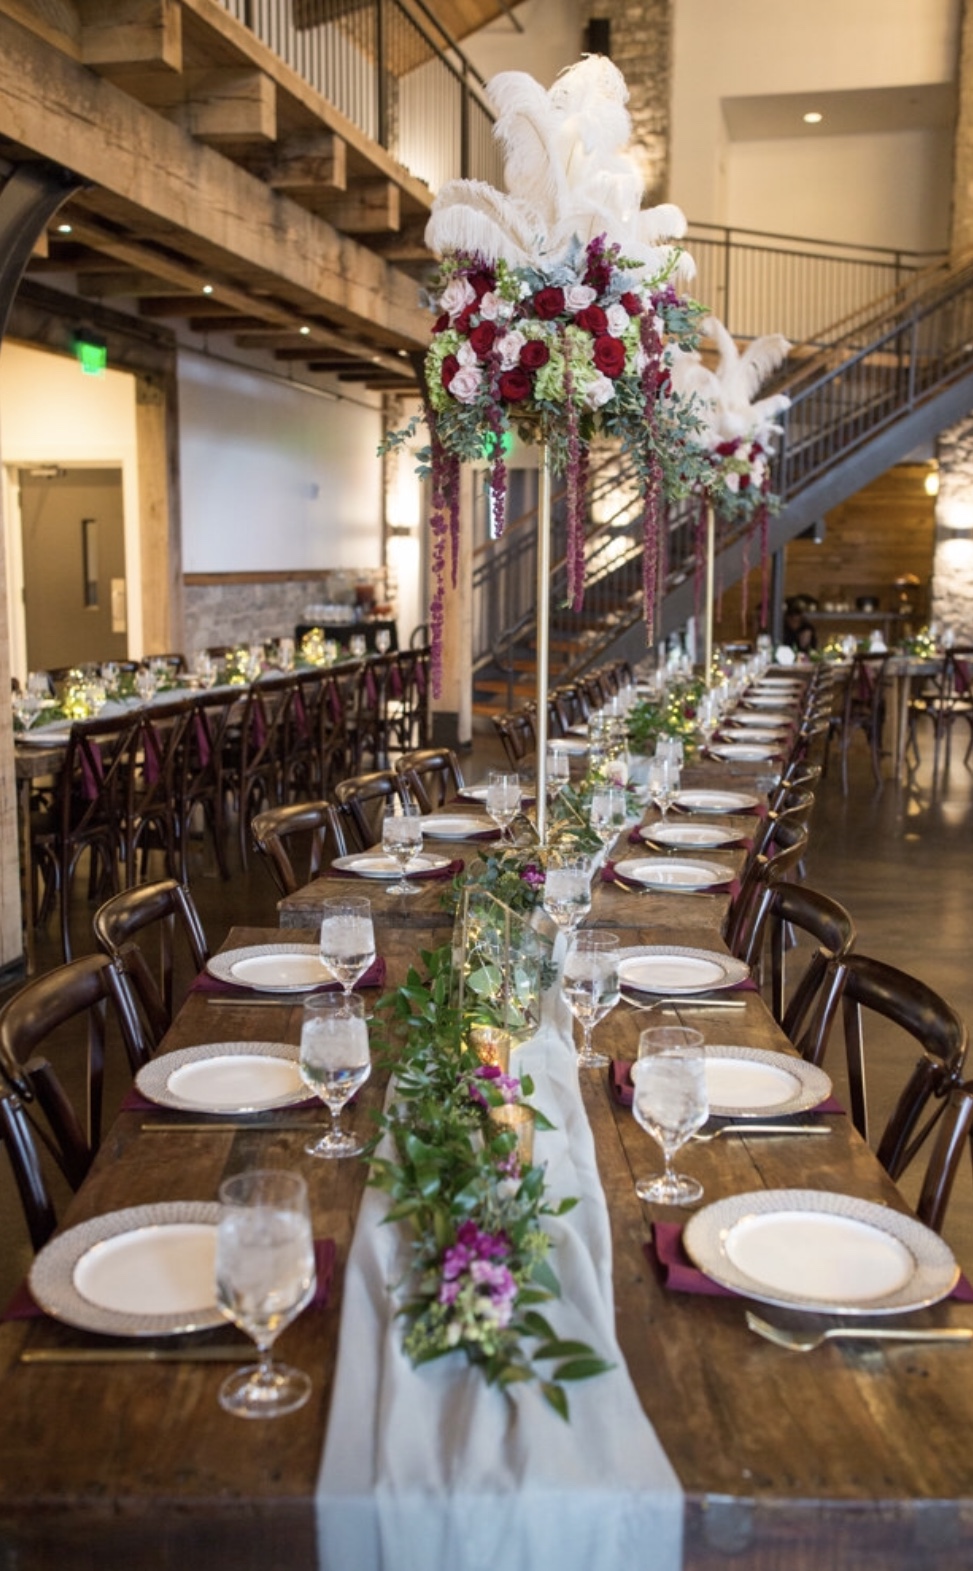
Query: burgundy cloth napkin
{"points": [[449, 871], [206, 983], [611, 875], [680, 1275], [620, 1085], [24, 1306]]}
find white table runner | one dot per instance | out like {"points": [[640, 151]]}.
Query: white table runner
{"points": [[432, 1470]]}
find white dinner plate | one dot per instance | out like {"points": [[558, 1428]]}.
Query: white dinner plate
{"points": [[375, 864], [751, 734], [714, 801], [761, 719], [766, 701], [688, 837], [787, 686], [272, 968], [48, 736], [670, 969], [740, 751], [224, 1077], [575, 745], [750, 1082], [144, 1271], [665, 872], [815, 1250], [456, 826]]}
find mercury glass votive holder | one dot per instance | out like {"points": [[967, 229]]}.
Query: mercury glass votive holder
{"points": [[492, 1045], [515, 1116]]}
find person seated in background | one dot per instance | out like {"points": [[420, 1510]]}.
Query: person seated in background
{"points": [[799, 633]]}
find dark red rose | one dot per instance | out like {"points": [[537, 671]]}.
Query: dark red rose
{"points": [[464, 321], [515, 385], [442, 323], [481, 283], [482, 338], [756, 451], [449, 368], [744, 482], [548, 303], [534, 354], [609, 355], [632, 303], [592, 319], [727, 449]]}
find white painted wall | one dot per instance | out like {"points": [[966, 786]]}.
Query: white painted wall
{"points": [[273, 476], [50, 412], [832, 188], [551, 39]]}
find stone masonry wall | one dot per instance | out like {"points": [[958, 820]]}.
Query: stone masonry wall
{"points": [[952, 574], [641, 47]]}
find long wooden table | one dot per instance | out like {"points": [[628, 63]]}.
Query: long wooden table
{"points": [[851, 1457]]}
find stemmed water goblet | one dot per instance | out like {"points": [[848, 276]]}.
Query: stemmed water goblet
{"points": [[334, 1062], [347, 939], [670, 1102], [503, 799], [608, 813], [590, 984], [567, 892], [558, 772], [265, 1276], [402, 840], [663, 783], [383, 640]]}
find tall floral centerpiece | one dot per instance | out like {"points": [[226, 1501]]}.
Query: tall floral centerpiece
{"points": [[556, 303], [735, 434]]}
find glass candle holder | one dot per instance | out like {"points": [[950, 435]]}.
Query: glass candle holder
{"points": [[492, 1045], [515, 1116]]}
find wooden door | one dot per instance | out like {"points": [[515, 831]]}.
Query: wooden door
{"points": [[74, 565]]}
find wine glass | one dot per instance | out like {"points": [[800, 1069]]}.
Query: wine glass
{"points": [[608, 812], [567, 892], [670, 1102], [347, 939], [558, 772], [503, 799], [663, 783], [590, 985], [383, 640], [264, 1277], [334, 1062], [402, 840]]}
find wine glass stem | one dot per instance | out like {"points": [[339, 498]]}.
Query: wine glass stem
{"points": [[336, 1128]]}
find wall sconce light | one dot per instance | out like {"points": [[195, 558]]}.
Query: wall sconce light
{"points": [[956, 514], [931, 483]]}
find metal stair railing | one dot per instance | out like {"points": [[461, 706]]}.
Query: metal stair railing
{"points": [[878, 367]]}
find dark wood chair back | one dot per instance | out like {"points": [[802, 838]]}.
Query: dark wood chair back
{"points": [[784, 851], [149, 918], [297, 841], [29, 1023], [361, 803], [433, 776], [783, 909], [934, 1098]]}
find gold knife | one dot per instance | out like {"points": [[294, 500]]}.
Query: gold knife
{"points": [[213, 1354]]}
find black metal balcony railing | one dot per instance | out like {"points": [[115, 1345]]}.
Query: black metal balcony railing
{"points": [[393, 71]]}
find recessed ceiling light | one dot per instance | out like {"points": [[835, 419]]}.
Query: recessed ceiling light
{"points": [[305, 331], [813, 118], [207, 289], [64, 229]]}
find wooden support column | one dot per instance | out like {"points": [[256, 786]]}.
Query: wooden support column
{"points": [[30, 196], [156, 421]]}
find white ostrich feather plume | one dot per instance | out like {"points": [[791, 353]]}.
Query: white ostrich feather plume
{"points": [[726, 403], [568, 177]]}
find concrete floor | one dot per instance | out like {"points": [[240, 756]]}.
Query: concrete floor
{"points": [[899, 858]]}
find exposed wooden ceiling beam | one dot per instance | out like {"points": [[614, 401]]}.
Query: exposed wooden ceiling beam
{"points": [[372, 207], [230, 107], [131, 34], [58, 109], [317, 163]]}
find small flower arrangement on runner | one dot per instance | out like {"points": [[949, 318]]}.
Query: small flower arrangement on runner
{"points": [[474, 1208]]}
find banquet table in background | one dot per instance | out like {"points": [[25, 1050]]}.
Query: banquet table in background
{"points": [[852, 1457]]}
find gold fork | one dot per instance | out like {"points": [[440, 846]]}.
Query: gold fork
{"points": [[807, 1341]]}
